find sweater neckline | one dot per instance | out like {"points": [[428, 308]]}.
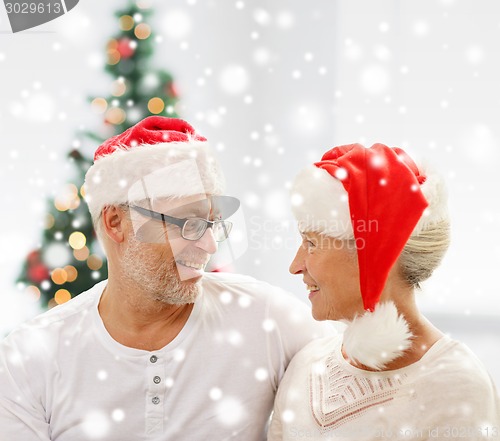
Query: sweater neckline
{"points": [[433, 352]]}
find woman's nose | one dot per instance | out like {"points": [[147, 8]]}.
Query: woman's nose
{"points": [[297, 265]]}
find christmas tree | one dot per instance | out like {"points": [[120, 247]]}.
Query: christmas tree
{"points": [[69, 260]]}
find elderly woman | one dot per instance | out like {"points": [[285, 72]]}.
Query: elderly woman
{"points": [[374, 226]]}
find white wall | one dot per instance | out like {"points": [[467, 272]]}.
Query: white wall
{"points": [[420, 75]]}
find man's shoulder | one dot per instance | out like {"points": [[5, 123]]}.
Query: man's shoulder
{"points": [[59, 316], [229, 278], [240, 283], [248, 290], [244, 294]]}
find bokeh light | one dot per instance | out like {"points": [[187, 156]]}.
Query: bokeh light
{"points": [[99, 105], [67, 199], [81, 254], [126, 22], [33, 292], [59, 276], [116, 115], [112, 52], [62, 296], [118, 88], [142, 31], [77, 240], [94, 262], [156, 105], [49, 221], [71, 273]]}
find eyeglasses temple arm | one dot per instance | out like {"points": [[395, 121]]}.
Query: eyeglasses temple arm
{"points": [[160, 216]]}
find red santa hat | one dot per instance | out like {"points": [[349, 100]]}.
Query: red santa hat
{"points": [[378, 197], [158, 157]]}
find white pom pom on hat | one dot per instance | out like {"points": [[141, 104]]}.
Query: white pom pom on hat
{"points": [[379, 197], [378, 337]]}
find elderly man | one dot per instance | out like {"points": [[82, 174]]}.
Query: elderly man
{"points": [[159, 351]]}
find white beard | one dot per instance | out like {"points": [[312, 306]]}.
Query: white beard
{"points": [[157, 275]]}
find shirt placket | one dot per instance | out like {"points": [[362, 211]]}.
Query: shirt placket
{"points": [[155, 396]]}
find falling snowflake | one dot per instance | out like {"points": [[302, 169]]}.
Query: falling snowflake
{"points": [[262, 17], [118, 415], [230, 411], [96, 424], [352, 50], [215, 394], [234, 79], [474, 54], [276, 204], [262, 56], [375, 79], [421, 28], [288, 415], [285, 20], [261, 374], [177, 24], [56, 255]]}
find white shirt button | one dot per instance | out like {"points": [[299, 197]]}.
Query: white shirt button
{"points": [[157, 379], [155, 400], [153, 359]]}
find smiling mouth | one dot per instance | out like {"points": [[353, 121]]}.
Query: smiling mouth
{"points": [[312, 288], [194, 265]]}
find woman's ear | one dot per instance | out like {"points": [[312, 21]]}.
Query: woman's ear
{"points": [[115, 223]]}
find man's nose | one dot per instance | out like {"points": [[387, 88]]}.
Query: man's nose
{"points": [[207, 242]]}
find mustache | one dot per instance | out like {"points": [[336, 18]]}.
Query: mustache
{"points": [[190, 257]]}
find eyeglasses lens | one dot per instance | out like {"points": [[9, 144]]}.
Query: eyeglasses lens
{"points": [[194, 229]]}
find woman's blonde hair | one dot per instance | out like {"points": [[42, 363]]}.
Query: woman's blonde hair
{"points": [[423, 253]]}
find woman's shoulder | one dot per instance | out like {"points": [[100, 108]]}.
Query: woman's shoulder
{"points": [[452, 380], [318, 349], [453, 365]]}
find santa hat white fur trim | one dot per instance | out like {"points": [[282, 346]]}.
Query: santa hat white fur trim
{"points": [[434, 190], [189, 168], [377, 338], [320, 203]]}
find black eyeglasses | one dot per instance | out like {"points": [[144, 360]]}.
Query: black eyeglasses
{"points": [[192, 228]]}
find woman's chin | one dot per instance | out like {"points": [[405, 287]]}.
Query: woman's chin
{"points": [[319, 315]]}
